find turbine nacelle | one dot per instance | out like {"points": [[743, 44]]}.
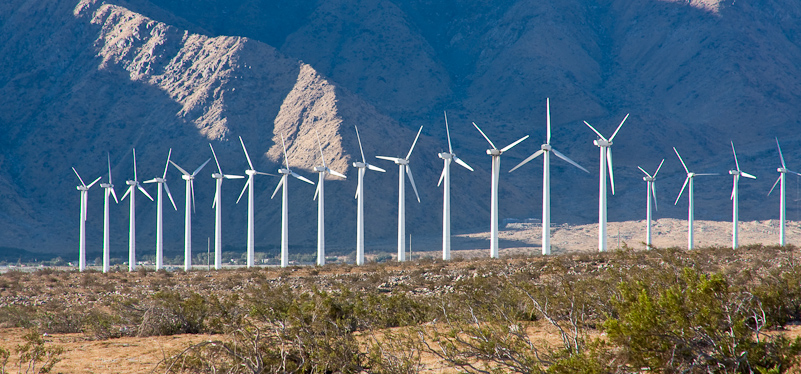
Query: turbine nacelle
{"points": [[321, 169], [216, 175], [445, 155], [546, 148], [284, 171], [648, 179], [602, 142], [187, 177], [130, 183], [494, 152], [250, 172], [106, 185], [360, 165], [735, 172]]}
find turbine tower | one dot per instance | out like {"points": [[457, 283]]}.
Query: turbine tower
{"points": [[109, 189], [691, 209], [403, 169], [249, 186], [219, 176], [735, 197], [320, 191], [190, 207], [362, 166], [545, 151], [447, 158], [496, 170], [159, 212], [285, 204], [133, 185], [606, 163], [782, 197], [82, 240], [650, 192]]}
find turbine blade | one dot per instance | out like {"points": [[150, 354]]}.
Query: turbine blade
{"points": [[799, 174], [357, 192], [441, 176], [594, 130], [732, 188], [414, 143], [260, 173], [150, 181], [644, 172], [115, 195], [682, 190], [660, 167], [780, 153], [79, 177], [167, 164], [108, 156], [508, 147], [682, 161], [246, 153], [286, 157], [735, 156], [609, 166], [393, 159], [485, 136], [375, 168], [219, 169], [93, 183], [134, 159], [139, 186], [131, 187], [653, 192], [316, 191], [529, 158], [320, 144], [247, 184], [281, 183], [167, 188], [298, 176], [619, 126], [360, 144], [200, 167], [411, 179], [460, 162], [184, 172], [231, 176], [192, 192], [774, 185], [747, 175], [448, 132], [338, 174], [703, 174], [563, 157], [216, 196], [548, 120]]}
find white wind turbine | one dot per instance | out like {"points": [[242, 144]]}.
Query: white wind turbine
{"points": [[650, 192], [285, 172], [735, 197], [362, 166], [691, 209], [320, 191], [133, 185], [249, 186], [606, 163], [159, 216], [109, 189], [403, 169], [190, 207], [447, 157], [545, 151], [782, 189], [219, 176], [82, 239], [496, 170]]}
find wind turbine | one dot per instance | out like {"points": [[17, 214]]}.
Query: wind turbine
{"points": [[109, 188], [249, 186], [690, 211], [285, 172], [133, 185], [496, 170], [606, 163], [320, 191], [735, 197], [650, 192], [159, 216], [782, 199], [190, 207], [219, 176], [403, 168], [362, 166], [447, 158], [545, 151], [84, 200]]}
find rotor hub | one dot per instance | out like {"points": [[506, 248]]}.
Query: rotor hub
{"points": [[320, 169], [360, 165], [250, 172], [602, 143], [734, 172], [781, 170], [130, 183], [493, 152], [187, 177], [546, 147], [283, 171], [445, 155], [216, 175], [401, 161]]}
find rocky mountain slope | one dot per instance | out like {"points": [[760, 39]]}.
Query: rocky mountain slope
{"points": [[82, 78]]}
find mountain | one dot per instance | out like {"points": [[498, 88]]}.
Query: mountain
{"points": [[79, 78]]}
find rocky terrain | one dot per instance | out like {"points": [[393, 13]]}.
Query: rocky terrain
{"points": [[80, 78]]}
